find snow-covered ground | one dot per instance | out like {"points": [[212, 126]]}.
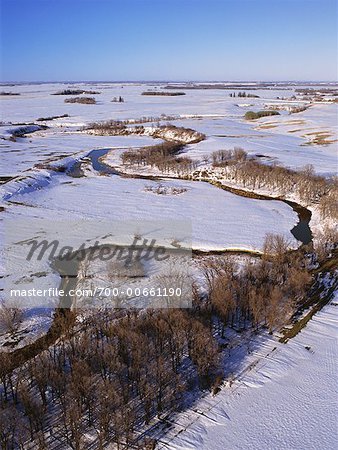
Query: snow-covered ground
{"points": [[218, 115], [219, 219], [285, 397]]}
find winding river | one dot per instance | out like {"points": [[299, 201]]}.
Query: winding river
{"points": [[65, 317], [301, 231]]}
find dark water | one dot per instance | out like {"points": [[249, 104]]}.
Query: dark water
{"points": [[75, 170], [301, 231]]}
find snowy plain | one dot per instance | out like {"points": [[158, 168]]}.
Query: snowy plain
{"points": [[286, 401], [213, 112], [286, 397]]}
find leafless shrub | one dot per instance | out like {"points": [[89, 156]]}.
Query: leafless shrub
{"points": [[118, 99], [107, 126], [10, 318], [224, 157], [325, 242], [297, 109]]}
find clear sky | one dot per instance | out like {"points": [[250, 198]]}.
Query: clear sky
{"points": [[50, 40]]}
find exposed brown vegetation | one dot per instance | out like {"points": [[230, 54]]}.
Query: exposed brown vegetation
{"points": [[319, 138]]}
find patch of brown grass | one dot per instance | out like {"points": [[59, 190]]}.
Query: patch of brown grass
{"points": [[319, 138]]}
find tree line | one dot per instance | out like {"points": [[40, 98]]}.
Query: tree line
{"points": [[252, 174]]}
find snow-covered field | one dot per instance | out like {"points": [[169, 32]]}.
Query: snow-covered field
{"points": [[217, 114], [284, 398], [219, 220], [285, 401]]}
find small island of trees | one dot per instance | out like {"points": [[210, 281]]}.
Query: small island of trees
{"points": [[251, 115]]}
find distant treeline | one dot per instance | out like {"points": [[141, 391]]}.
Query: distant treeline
{"points": [[9, 93], [313, 91], [250, 87], [243, 94], [75, 92], [166, 94]]}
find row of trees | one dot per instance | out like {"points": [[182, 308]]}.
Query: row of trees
{"points": [[75, 92], [163, 93], [243, 95], [162, 156], [108, 126], [310, 187]]}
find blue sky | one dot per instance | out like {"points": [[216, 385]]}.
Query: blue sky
{"points": [[49, 40]]}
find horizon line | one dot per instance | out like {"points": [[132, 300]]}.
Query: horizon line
{"points": [[168, 81]]}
